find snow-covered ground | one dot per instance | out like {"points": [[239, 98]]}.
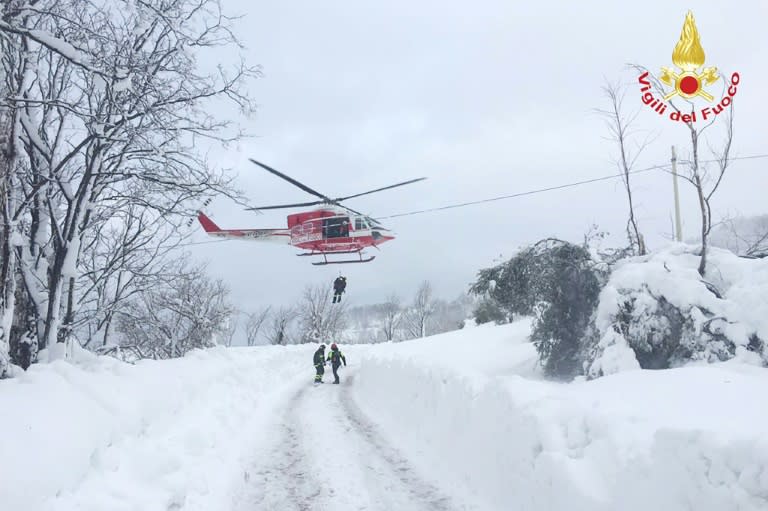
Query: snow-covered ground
{"points": [[467, 408], [673, 315], [456, 421]]}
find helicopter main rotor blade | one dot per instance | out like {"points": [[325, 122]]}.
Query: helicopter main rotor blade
{"points": [[283, 206], [292, 181], [381, 189], [351, 210]]}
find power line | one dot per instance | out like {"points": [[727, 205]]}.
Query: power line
{"points": [[664, 168], [521, 194], [179, 245], [750, 157], [559, 187], [203, 242]]}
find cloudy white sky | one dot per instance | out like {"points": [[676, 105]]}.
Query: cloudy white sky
{"points": [[484, 98]]}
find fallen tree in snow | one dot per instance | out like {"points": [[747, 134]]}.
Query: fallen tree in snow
{"points": [[558, 283]]}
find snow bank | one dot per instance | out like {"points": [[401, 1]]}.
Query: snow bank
{"points": [[687, 438], [659, 308], [155, 436], [480, 351]]}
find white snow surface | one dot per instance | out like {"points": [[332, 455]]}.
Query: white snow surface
{"points": [[740, 312], [459, 421], [672, 273]]}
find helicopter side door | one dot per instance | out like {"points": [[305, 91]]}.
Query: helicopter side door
{"points": [[335, 227]]}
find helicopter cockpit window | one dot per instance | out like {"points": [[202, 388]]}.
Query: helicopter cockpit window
{"points": [[336, 227]]}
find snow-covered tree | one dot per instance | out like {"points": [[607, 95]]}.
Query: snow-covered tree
{"points": [[392, 317], [131, 252], [421, 311], [15, 68], [556, 282], [230, 329], [705, 178], [189, 311], [450, 315], [509, 285], [254, 322], [7, 256], [621, 131], [279, 326], [109, 107], [744, 236], [488, 310], [321, 319]]}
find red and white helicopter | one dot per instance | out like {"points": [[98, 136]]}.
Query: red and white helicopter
{"points": [[330, 229]]}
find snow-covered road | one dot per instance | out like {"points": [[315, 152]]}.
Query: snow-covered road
{"points": [[327, 455], [460, 421]]}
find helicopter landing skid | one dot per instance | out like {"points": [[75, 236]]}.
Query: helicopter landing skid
{"points": [[304, 254], [325, 260], [353, 261]]}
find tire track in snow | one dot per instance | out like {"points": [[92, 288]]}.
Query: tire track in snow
{"points": [[425, 495], [327, 455], [286, 481]]}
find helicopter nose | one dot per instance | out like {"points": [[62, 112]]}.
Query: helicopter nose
{"points": [[379, 237]]}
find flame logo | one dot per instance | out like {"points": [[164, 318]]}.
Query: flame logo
{"points": [[688, 56]]}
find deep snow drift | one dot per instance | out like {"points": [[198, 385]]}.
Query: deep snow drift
{"points": [[669, 315], [456, 421], [104, 435], [686, 438]]}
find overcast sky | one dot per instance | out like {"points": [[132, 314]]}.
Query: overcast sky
{"points": [[484, 98]]}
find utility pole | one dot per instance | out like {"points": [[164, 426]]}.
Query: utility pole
{"points": [[678, 224]]}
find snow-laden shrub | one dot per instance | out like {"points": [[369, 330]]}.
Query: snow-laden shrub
{"points": [[567, 289], [488, 310], [656, 312], [556, 282]]}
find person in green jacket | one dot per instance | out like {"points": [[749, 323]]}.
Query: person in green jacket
{"points": [[336, 357], [319, 360]]}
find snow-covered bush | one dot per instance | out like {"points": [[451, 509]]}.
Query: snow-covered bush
{"points": [[656, 312], [556, 282], [508, 284], [566, 293], [489, 310]]}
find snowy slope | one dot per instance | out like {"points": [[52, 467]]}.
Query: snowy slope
{"points": [[456, 421], [688, 438], [159, 435]]}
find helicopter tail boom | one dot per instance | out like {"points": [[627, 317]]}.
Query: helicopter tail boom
{"points": [[273, 235]]}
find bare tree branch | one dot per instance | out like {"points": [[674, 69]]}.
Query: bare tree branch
{"points": [[254, 323]]}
